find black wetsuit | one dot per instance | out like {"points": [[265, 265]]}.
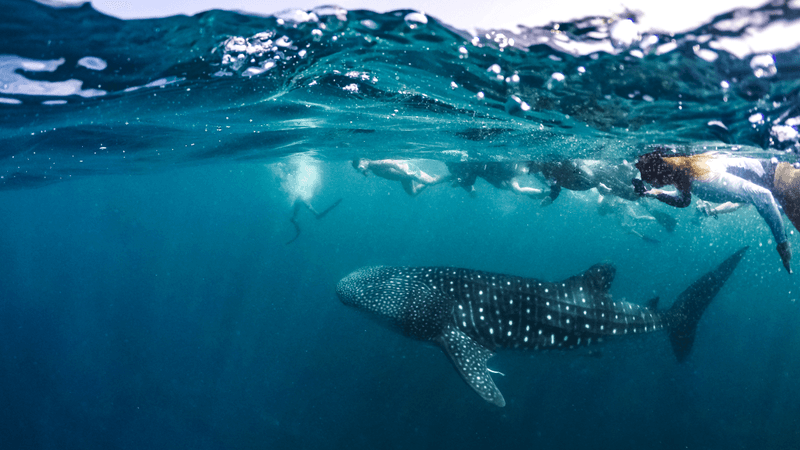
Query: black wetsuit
{"points": [[582, 175], [496, 173]]}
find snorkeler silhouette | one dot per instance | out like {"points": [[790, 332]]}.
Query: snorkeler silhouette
{"points": [[319, 215], [502, 175], [631, 220], [412, 178], [585, 174], [719, 177]]}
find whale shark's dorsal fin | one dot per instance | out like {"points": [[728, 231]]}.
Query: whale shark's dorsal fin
{"points": [[599, 277], [469, 358], [652, 304]]}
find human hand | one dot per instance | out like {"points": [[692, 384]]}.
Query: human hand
{"points": [[653, 192], [705, 209], [638, 186]]}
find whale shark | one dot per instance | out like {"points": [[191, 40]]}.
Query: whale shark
{"points": [[472, 314]]}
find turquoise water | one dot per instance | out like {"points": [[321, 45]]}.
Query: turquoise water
{"points": [[149, 298]]}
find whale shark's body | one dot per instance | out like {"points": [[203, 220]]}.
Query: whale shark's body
{"points": [[470, 314]]}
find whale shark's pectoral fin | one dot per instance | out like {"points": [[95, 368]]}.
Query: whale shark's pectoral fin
{"points": [[470, 358]]}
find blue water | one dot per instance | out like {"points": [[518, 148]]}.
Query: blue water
{"points": [[148, 298]]}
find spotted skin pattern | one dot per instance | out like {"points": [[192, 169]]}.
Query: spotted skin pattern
{"points": [[470, 314]]}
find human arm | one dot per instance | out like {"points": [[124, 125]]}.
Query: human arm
{"points": [[725, 208], [678, 199], [525, 190]]}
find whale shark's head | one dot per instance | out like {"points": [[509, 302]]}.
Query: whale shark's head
{"points": [[371, 289], [396, 296], [355, 289]]}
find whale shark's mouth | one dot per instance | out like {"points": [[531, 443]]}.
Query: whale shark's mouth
{"points": [[351, 289], [347, 289]]}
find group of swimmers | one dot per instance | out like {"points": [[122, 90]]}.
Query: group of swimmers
{"points": [[616, 194], [722, 182]]}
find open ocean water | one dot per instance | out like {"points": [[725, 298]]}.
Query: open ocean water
{"points": [[148, 169]]}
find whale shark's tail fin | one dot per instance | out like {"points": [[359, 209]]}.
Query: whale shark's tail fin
{"points": [[684, 314]]}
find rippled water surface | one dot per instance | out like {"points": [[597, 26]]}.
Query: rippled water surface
{"points": [[84, 93]]}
